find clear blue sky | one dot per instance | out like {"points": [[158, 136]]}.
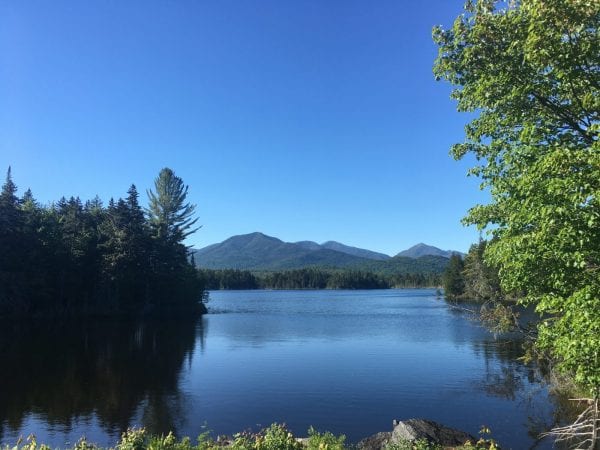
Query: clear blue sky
{"points": [[306, 120]]}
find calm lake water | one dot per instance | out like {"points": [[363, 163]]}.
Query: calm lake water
{"points": [[344, 361]]}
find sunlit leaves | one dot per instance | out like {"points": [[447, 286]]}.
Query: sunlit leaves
{"points": [[531, 71]]}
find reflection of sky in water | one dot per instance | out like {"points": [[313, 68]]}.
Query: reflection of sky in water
{"points": [[346, 361], [352, 361]]}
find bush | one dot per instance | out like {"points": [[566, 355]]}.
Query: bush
{"points": [[324, 441]]}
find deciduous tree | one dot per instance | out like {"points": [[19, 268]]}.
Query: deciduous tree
{"points": [[529, 71]]}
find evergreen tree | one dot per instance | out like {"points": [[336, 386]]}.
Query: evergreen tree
{"points": [[481, 279], [11, 240], [171, 218], [9, 207], [171, 221], [126, 256], [452, 279], [33, 252], [82, 258]]}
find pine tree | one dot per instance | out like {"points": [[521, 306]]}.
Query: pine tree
{"points": [[452, 279], [170, 216], [9, 206], [171, 221], [10, 242]]}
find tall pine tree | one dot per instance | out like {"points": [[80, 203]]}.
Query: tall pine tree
{"points": [[171, 218]]}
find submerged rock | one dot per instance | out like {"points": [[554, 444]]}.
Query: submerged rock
{"points": [[415, 429]]}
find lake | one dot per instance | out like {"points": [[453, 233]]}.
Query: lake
{"points": [[345, 361]]}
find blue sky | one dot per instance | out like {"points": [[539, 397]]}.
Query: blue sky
{"points": [[306, 120]]}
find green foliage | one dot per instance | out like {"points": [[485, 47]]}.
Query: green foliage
{"points": [[295, 279], [9, 206], [356, 279], [168, 442], [571, 331], [453, 280], [472, 278], [83, 444], [312, 278], [485, 442], [228, 279], [72, 258], [324, 441], [275, 437], [171, 218], [139, 439], [272, 438], [498, 317], [530, 70], [30, 444], [481, 279], [133, 439]]}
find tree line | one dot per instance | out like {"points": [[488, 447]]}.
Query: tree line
{"points": [[313, 278], [74, 257]]}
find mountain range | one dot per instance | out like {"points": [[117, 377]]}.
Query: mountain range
{"points": [[257, 251]]}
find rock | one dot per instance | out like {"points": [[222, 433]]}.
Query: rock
{"points": [[375, 442], [414, 429]]}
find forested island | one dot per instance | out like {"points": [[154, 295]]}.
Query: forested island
{"points": [[77, 257]]}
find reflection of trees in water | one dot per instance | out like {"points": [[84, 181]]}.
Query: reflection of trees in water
{"points": [[564, 411], [108, 368], [507, 377], [504, 384], [504, 375]]}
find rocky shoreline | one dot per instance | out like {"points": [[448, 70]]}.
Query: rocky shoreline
{"points": [[402, 431], [416, 429]]}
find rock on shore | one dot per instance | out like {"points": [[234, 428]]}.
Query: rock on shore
{"points": [[414, 429]]}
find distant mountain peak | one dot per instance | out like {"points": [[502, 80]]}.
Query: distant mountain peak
{"points": [[250, 237], [422, 249]]}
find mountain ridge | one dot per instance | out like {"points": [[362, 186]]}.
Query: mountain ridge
{"points": [[258, 251]]}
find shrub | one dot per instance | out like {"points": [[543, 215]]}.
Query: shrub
{"points": [[324, 441]]}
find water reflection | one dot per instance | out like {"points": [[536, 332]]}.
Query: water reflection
{"points": [[345, 361], [368, 357], [106, 370]]}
